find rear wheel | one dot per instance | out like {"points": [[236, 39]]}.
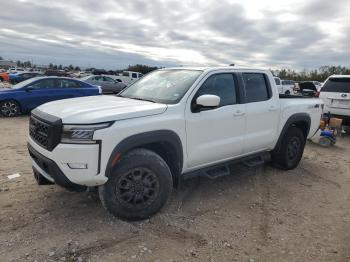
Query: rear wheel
{"points": [[289, 153], [138, 186], [287, 92], [9, 108]]}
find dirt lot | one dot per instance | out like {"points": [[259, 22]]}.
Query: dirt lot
{"points": [[260, 214]]}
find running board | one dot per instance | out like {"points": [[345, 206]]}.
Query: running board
{"points": [[223, 169], [256, 160]]}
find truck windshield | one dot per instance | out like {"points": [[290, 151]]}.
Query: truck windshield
{"points": [[162, 86]]}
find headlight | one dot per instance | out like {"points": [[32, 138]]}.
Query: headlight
{"points": [[82, 134]]}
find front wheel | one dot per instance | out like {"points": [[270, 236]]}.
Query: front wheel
{"points": [[9, 108], [138, 186], [291, 149]]}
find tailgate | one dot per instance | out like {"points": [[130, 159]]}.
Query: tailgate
{"points": [[339, 100]]}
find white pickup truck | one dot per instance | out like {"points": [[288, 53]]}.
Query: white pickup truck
{"points": [[170, 125]]}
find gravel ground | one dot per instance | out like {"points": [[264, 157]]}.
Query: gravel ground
{"points": [[255, 214]]}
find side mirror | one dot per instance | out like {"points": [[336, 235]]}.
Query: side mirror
{"points": [[207, 102]]}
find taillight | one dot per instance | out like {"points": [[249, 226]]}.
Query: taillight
{"points": [[317, 94]]}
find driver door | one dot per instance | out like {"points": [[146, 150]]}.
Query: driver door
{"points": [[216, 135]]}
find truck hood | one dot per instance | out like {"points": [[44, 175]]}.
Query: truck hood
{"points": [[97, 109]]}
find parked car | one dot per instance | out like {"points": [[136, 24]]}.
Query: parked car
{"points": [[170, 125], [4, 76], [14, 70], [336, 96], [288, 87], [306, 88], [54, 72], [107, 84], [19, 77], [129, 77], [27, 95]]}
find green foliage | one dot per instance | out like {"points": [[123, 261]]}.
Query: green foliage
{"points": [[144, 69], [320, 74]]}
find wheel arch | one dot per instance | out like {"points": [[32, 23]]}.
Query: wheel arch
{"points": [[300, 120], [165, 143]]}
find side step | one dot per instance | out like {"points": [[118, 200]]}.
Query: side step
{"points": [[223, 169], [256, 160], [217, 172]]}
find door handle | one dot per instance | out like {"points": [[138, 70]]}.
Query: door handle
{"points": [[238, 113], [272, 108]]}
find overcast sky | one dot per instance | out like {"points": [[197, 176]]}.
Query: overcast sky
{"points": [[113, 34]]}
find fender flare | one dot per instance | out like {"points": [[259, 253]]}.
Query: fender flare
{"points": [[144, 139], [295, 118]]}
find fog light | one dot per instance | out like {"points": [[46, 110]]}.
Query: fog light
{"points": [[77, 165]]}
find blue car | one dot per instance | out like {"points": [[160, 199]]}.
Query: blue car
{"points": [[31, 93], [19, 77]]}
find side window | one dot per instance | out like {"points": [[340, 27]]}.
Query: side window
{"points": [[277, 81], [134, 75], [108, 79], [256, 87], [43, 84], [66, 83], [221, 85]]}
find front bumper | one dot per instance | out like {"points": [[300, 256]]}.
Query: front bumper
{"points": [[48, 169], [53, 165]]}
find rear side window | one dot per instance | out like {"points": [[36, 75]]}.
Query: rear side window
{"points": [[221, 85], [65, 83], [277, 81], [339, 85], [256, 87]]}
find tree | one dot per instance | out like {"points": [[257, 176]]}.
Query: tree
{"points": [[50, 65], [77, 68], [144, 69], [60, 67], [70, 67]]}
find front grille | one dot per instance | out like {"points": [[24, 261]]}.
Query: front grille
{"points": [[39, 131], [45, 129]]}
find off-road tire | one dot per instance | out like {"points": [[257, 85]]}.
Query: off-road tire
{"points": [[139, 185], [290, 151]]}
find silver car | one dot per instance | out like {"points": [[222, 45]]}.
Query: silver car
{"points": [[107, 84]]}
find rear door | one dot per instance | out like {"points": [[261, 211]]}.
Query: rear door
{"points": [[262, 110], [336, 95], [110, 85], [68, 88]]}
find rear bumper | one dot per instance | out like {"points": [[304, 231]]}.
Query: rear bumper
{"points": [[346, 119], [338, 113]]}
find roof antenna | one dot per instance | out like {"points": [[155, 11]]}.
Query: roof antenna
{"points": [[232, 64]]}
